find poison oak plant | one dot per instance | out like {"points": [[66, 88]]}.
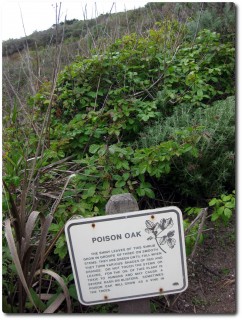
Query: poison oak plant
{"points": [[223, 207]]}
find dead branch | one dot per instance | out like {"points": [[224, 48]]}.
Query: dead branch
{"points": [[200, 230]]}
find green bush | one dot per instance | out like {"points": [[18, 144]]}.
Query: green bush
{"points": [[113, 95], [223, 207], [198, 74], [212, 172], [218, 17]]}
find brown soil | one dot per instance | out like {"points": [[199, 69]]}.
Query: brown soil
{"points": [[211, 274]]}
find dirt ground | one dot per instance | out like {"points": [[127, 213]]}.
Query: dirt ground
{"points": [[212, 277]]}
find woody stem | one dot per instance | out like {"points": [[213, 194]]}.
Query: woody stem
{"points": [[159, 245]]}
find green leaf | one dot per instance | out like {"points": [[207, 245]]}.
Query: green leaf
{"points": [[120, 184], [215, 216], [226, 198], [220, 210], [227, 213], [106, 185], [72, 292], [91, 191], [38, 302], [92, 94], [229, 205], [142, 167], [54, 227], [167, 168], [94, 148], [117, 191], [61, 251], [212, 202], [125, 165], [149, 193], [140, 191], [200, 92], [126, 176]]}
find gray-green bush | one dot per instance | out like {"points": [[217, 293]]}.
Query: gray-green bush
{"points": [[212, 172]]}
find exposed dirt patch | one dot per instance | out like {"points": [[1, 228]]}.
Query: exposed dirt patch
{"points": [[212, 287]]}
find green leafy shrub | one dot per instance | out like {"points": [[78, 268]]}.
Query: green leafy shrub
{"points": [[115, 169], [199, 73], [220, 209], [223, 207], [218, 17], [212, 172], [110, 97]]}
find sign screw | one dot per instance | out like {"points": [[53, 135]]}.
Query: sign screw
{"points": [[93, 225], [105, 297], [152, 217], [161, 290]]}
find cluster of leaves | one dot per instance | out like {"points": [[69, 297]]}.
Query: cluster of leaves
{"points": [[198, 73], [157, 229], [115, 169], [223, 207], [109, 96], [220, 210]]}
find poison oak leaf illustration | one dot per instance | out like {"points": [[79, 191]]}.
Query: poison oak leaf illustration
{"points": [[171, 234], [171, 242], [149, 224], [157, 228], [162, 240], [166, 223]]}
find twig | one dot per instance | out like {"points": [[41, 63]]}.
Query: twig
{"points": [[211, 271], [200, 13], [52, 165], [224, 283], [97, 93], [190, 235], [56, 203], [28, 56], [194, 221], [20, 103], [200, 229], [42, 136], [175, 300]]}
